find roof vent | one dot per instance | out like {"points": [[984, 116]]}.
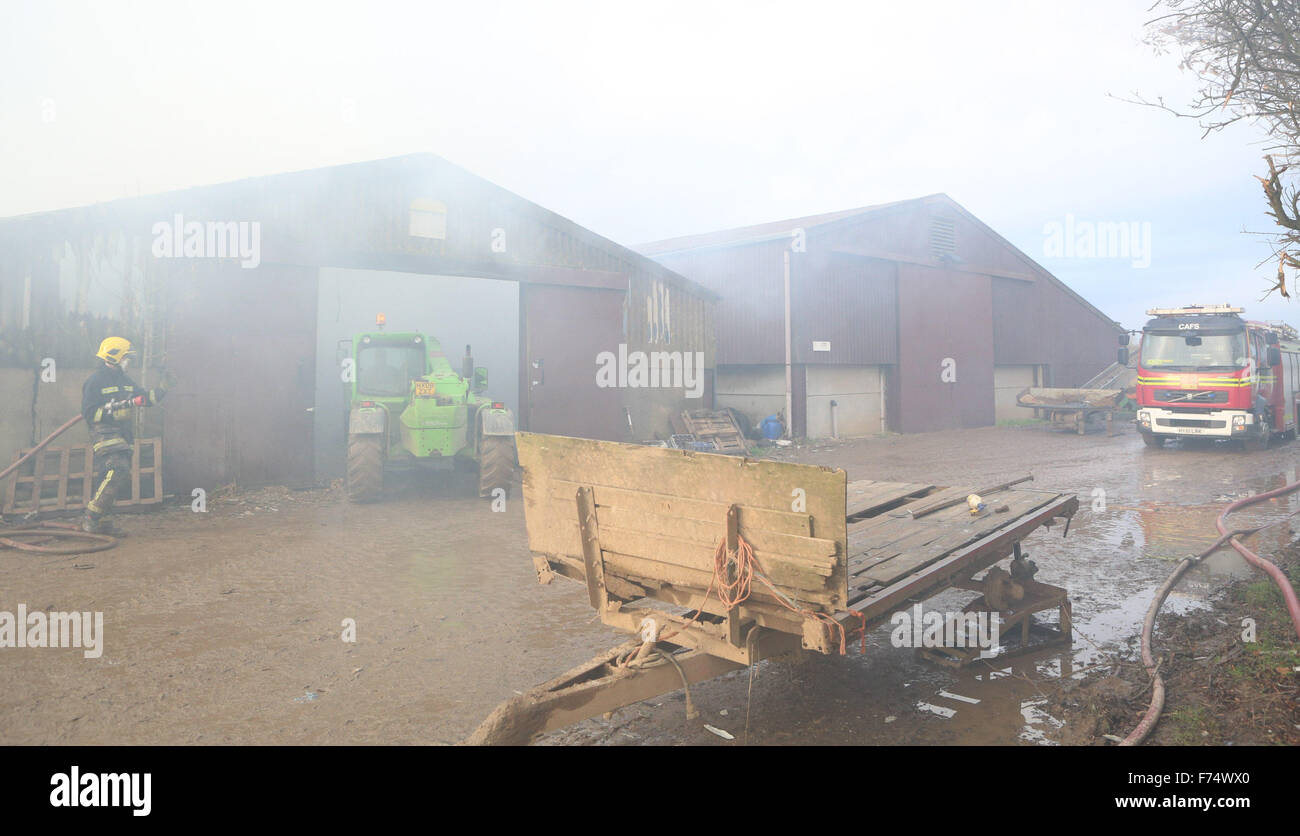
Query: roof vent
{"points": [[943, 238]]}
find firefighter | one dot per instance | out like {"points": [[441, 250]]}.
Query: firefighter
{"points": [[111, 435]]}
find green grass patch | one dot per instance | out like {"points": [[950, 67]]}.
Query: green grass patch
{"points": [[1193, 726]]}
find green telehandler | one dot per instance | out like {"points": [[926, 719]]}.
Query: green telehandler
{"points": [[407, 407]]}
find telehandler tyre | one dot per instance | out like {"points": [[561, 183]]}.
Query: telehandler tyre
{"points": [[496, 465], [365, 478]]}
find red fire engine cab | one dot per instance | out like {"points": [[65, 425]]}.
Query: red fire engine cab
{"points": [[1204, 371]]}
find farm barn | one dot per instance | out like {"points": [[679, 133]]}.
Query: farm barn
{"points": [[909, 316], [252, 336]]}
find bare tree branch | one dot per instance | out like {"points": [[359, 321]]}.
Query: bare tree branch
{"points": [[1246, 57]]}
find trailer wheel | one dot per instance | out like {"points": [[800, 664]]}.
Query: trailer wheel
{"points": [[365, 478], [1152, 440], [496, 464]]}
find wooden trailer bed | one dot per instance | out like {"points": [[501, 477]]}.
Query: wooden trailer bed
{"points": [[908, 542]]}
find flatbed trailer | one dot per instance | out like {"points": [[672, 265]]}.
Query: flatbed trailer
{"points": [[1072, 408], [665, 542]]}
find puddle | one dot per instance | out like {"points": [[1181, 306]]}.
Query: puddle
{"points": [[1038, 724]]}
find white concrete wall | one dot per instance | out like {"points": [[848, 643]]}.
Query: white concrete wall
{"points": [[757, 391], [857, 391], [1009, 381]]}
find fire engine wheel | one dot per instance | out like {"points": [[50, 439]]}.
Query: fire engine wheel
{"points": [[1153, 440], [365, 478], [1260, 441], [496, 464]]}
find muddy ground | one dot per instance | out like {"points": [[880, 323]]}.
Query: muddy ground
{"points": [[225, 626]]}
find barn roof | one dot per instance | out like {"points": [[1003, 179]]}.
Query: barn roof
{"points": [[324, 194], [771, 230], [763, 231]]}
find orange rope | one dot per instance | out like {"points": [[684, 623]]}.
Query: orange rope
{"points": [[735, 592], [862, 650]]}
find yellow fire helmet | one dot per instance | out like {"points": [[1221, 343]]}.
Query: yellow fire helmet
{"points": [[113, 350]]}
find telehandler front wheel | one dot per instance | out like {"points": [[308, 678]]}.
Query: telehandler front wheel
{"points": [[496, 464], [365, 478]]}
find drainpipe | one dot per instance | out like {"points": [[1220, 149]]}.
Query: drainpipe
{"points": [[835, 432], [882, 380], [789, 390]]}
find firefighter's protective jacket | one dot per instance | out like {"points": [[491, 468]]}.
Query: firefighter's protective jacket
{"points": [[110, 383]]}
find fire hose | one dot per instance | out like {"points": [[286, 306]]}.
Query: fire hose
{"points": [[39, 447], [1156, 705], [36, 538]]}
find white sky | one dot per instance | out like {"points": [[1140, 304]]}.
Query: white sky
{"points": [[648, 120]]}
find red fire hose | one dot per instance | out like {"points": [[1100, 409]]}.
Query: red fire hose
{"points": [[40, 538], [1157, 703], [1272, 569], [138, 400], [39, 447]]}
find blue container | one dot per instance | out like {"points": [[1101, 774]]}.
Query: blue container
{"points": [[771, 428]]}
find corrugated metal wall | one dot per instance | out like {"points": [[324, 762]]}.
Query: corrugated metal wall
{"points": [[850, 302], [751, 325], [1038, 323], [663, 317]]}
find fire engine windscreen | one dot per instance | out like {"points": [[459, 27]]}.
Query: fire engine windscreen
{"points": [[387, 370], [1194, 351]]}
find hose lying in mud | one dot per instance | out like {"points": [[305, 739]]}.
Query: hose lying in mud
{"points": [[1149, 719], [37, 538], [43, 533], [1157, 703], [1271, 569]]}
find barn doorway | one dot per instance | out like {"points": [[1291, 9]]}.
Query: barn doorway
{"points": [[455, 310]]}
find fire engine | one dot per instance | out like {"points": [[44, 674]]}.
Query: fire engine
{"points": [[1205, 371]]}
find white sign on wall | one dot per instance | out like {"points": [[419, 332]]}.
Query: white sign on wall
{"points": [[821, 345]]}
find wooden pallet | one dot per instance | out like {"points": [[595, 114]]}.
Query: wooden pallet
{"points": [[716, 426], [63, 479]]}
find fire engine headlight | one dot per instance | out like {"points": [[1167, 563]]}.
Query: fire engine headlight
{"points": [[1238, 423], [1144, 418]]}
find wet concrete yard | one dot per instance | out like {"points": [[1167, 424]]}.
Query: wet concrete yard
{"points": [[225, 627]]}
